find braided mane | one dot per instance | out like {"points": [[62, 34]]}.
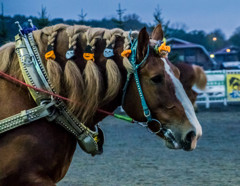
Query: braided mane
{"points": [[90, 84]]}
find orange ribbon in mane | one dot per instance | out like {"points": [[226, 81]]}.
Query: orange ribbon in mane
{"points": [[50, 55], [126, 53], [163, 47], [88, 56]]}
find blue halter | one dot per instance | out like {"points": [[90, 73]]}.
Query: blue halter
{"points": [[167, 133], [132, 60]]}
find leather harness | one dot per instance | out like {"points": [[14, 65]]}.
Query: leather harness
{"points": [[53, 109]]}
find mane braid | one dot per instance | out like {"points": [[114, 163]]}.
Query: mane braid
{"points": [[87, 88], [73, 79], [54, 70], [114, 80], [112, 71], [92, 78]]}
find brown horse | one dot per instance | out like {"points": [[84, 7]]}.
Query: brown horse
{"points": [[191, 75], [40, 153]]}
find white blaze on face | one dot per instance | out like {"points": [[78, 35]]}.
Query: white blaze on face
{"points": [[184, 100]]}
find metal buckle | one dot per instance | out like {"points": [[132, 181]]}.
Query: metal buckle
{"points": [[160, 126], [147, 115], [49, 104], [142, 124]]}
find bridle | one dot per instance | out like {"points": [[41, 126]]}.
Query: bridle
{"points": [[132, 59], [167, 133]]}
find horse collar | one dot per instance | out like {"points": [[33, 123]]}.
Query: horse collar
{"points": [[34, 74]]}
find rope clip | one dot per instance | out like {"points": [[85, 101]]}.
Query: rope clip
{"points": [[88, 54], [108, 52], [50, 53], [70, 53]]}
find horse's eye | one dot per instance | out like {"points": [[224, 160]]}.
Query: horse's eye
{"points": [[157, 79], [170, 107]]}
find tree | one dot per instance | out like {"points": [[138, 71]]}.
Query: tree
{"points": [[158, 19], [119, 22], [82, 17], [158, 15], [43, 19], [215, 40], [132, 21], [3, 30], [235, 38]]}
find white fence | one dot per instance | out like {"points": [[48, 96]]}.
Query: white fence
{"points": [[223, 86]]}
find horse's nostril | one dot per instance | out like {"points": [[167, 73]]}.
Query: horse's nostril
{"points": [[190, 136], [190, 141]]}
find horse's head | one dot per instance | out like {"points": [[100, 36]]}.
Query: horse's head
{"points": [[164, 95]]}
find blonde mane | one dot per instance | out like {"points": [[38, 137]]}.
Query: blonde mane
{"points": [[201, 78], [113, 73], [73, 79], [78, 79]]}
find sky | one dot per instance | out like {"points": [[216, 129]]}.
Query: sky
{"points": [[206, 15]]}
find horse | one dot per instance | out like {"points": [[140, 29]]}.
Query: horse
{"points": [[191, 75], [40, 152]]}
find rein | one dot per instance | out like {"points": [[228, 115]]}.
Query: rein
{"points": [[13, 79]]}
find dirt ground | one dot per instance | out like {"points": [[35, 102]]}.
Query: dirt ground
{"points": [[132, 156]]}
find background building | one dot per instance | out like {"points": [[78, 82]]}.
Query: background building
{"points": [[191, 53], [228, 58]]}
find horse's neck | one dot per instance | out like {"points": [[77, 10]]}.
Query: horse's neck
{"points": [[113, 104]]}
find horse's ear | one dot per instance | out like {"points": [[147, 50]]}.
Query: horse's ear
{"points": [[143, 40], [157, 33]]}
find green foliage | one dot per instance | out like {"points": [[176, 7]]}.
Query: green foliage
{"points": [[158, 15], [220, 42], [82, 17], [158, 19], [235, 38], [201, 38], [132, 21]]}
